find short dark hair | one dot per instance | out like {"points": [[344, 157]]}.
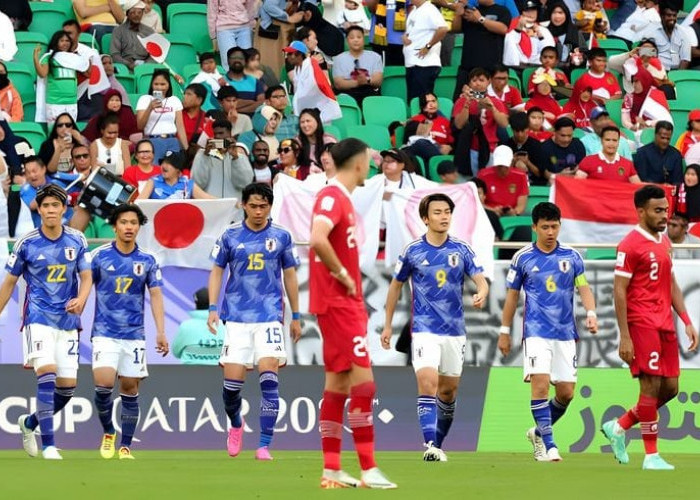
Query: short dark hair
{"points": [[109, 118], [226, 91], [222, 124], [352, 28], [199, 90], [663, 125], [610, 128], [175, 158], [476, 72], [142, 142], [206, 56], [272, 88], [76, 146], [480, 183], [545, 211], [234, 49], [499, 68], [550, 48], [534, 109], [646, 193], [262, 190], [125, 208], [446, 167], [518, 121], [201, 299], [596, 52], [345, 150], [564, 122], [51, 190], [34, 159], [71, 22], [424, 205]]}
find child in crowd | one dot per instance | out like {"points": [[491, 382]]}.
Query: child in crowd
{"points": [[151, 18], [210, 77], [549, 59], [535, 118], [591, 19], [353, 14], [447, 172]]}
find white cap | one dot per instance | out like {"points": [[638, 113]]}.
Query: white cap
{"points": [[133, 4], [502, 156]]}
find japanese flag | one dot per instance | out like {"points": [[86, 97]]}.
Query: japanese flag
{"points": [[97, 81], [157, 46], [313, 90], [183, 232]]}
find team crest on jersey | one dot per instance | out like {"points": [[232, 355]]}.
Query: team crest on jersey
{"points": [[511, 188], [139, 268], [70, 253], [453, 259], [564, 265], [270, 244]]}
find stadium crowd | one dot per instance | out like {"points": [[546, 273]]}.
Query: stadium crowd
{"points": [[507, 93]]}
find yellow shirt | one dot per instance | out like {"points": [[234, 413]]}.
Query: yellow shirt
{"points": [[104, 18], [590, 18]]}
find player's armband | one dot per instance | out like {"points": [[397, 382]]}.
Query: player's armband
{"points": [[580, 280]]}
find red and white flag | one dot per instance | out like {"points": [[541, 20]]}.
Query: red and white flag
{"points": [[595, 211], [183, 232], [655, 106], [313, 90], [97, 81], [157, 46], [593, 42]]}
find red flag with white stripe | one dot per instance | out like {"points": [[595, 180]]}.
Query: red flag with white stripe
{"points": [[313, 90], [655, 106], [157, 46]]}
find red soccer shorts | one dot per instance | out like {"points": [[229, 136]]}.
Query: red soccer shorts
{"points": [[655, 352], [344, 332]]}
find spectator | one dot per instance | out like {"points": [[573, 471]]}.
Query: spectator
{"points": [[523, 44], [485, 27], [499, 89], [272, 10], [112, 102], [254, 68], [419, 142], [37, 177], [353, 14], [261, 159], [228, 99], [527, 152], [591, 19], [633, 103], [641, 57], [387, 28], [447, 172], [144, 169], [210, 77], [125, 46], [677, 231], [535, 123], [114, 84], [542, 98], [265, 125], [80, 161], [693, 30], [493, 216], [660, 162], [294, 56], [11, 108], [55, 150], [686, 143], [476, 117], [109, 150], [8, 41], [250, 91], [219, 169], [563, 152], [151, 17], [357, 72], [688, 194], [673, 41], [567, 38], [193, 117], [194, 343], [19, 12], [289, 124], [289, 161], [549, 62], [330, 39], [440, 128], [312, 139], [603, 83], [608, 164], [170, 184], [645, 15], [600, 118], [102, 16], [230, 25], [308, 37], [580, 105], [425, 29], [506, 188]]}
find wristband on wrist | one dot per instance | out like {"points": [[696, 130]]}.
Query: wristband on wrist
{"points": [[591, 314], [296, 316], [342, 272], [504, 330], [213, 308], [685, 318]]}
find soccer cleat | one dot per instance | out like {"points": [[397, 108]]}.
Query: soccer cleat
{"points": [[51, 453], [28, 437], [263, 453], [433, 453], [617, 442], [538, 447], [655, 462], [107, 446], [553, 455], [374, 479], [125, 454], [234, 443], [334, 479]]}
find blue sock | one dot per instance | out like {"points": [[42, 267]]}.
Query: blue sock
{"points": [[104, 404], [556, 409], [543, 419], [269, 406], [232, 401], [427, 416], [61, 396], [130, 417], [445, 415], [46, 385]]}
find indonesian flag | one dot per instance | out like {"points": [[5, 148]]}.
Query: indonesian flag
{"points": [[157, 46], [313, 90], [595, 211], [183, 232], [655, 106], [593, 42], [97, 81]]}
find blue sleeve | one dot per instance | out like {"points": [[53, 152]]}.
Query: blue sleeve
{"points": [[403, 269], [259, 88], [290, 256], [510, 5], [515, 276], [219, 254], [28, 194], [471, 267], [155, 277], [15, 263], [95, 266], [579, 268], [84, 257]]}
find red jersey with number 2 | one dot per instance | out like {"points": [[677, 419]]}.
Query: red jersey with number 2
{"points": [[334, 207], [646, 261]]}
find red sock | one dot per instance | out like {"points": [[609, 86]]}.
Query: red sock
{"points": [[648, 418], [360, 420], [331, 424], [629, 419]]}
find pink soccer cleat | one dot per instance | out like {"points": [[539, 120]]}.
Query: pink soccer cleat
{"points": [[234, 443], [263, 453]]}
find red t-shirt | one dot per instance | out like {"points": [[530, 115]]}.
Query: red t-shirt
{"points": [[510, 97], [441, 130], [205, 125], [540, 135], [133, 174], [486, 117], [647, 263], [560, 78], [598, 167], [605, 86], [503, 191], [334, 206]]}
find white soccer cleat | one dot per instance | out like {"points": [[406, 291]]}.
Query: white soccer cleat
{"points": [[433, 453], [553, 455], [334, 479], [51, 453], [28, 437], [538, 447], [374, 479]]}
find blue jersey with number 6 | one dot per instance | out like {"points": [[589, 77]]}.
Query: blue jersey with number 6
{"points": [[255, 259]]}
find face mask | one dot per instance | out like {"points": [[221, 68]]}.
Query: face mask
{"points": [[4, 81]]}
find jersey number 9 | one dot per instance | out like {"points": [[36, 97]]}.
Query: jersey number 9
{"points": [[256, 262], [441, 278]]}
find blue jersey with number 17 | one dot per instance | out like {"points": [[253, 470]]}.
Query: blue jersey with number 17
{"points": [[120, 288], [437, 279], [256, 260], [549, 281]]}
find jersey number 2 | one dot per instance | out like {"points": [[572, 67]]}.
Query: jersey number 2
{"points": [[654, 271]]}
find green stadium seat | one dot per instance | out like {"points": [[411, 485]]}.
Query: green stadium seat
{"points": [[514, 80], [394, 82], [445, 105], [433, 165], [613, 43], [601, 253], [134, 98], [65, 6], [579, 133], [26, 42], [510, 222], [352, 115], [383, 110], [48, 18], [685, 103], [680, 120], [105, 231], [105, 42], [23, 78], [89, 40], [540, 191], [32, 131], [127, 80], [376, 136], [190, 19], [181, 52], [445, 83], [90, 232], [614, 107], [456, 56], [29, 108], [333, 130], [689, 5]]}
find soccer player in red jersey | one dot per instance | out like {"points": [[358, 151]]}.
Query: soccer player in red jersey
{"points": [[336, 299], [645, 290]]}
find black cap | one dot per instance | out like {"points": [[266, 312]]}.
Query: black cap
{"points": [[201, 299], [531, 4], [397, 154], [51, 190]]}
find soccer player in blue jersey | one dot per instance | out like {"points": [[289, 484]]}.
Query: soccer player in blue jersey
{"points": [[122, 271], [260, 256], [437, 265], [55, 263], [550, 273]]}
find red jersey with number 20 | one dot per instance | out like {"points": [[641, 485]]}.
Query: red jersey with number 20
{"points": [[647, 263], [334, 207]]}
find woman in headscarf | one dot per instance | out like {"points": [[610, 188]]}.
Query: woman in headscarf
{"points": [[644, 56], [688, 194], [632, 104], [127, 121], [580, 104], [566, 35]]}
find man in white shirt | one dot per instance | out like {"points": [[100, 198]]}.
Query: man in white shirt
{"points": [[642, 18], [523, 45], [425, 29], [673, 41]]}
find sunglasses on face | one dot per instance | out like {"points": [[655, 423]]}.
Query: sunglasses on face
{"points": [[284, 150], [65, 124], [81, 156]]}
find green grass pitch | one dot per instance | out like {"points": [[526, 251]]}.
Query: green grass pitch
{"points": [[210, 475]]}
